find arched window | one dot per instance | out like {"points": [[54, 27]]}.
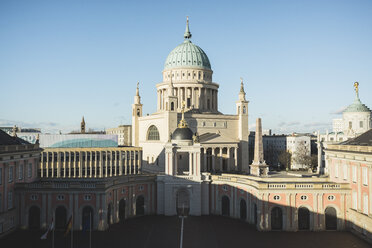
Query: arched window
{"points": [[153, 133], [172, 106], [244, 110]]}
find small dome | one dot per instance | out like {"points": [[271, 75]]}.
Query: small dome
{"points": [[182, 134]]}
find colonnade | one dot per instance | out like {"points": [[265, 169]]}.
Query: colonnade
{"points": [[213, 157], [199, 98], [92, 163]]}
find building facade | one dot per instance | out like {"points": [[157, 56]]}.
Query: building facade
{"points": [[124, 133], [18, 164]]}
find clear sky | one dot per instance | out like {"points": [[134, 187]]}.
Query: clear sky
{"points": [[60, 60]]}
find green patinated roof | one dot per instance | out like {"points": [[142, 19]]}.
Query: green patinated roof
{"points": [[187, 54], [357, 106]]}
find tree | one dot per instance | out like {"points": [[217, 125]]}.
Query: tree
{"points": [[301, 155], [285, 158]]}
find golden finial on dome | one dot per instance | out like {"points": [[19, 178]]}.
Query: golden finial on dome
{"points": [[356, 86]]}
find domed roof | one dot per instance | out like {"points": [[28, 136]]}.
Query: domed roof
{"points": [[182, 134], [187, 54], [357, 105]]}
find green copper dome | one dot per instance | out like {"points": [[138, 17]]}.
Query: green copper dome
{"points": [[187, 54], [357, 105]]}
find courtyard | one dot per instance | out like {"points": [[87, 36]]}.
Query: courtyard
{"points": [[205, 231]]}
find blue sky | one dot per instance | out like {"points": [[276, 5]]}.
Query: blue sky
{"points": [[60, 60]]}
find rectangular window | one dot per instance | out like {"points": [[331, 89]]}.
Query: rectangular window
{"points": [[345, 171], [350, 125], [10, 173], [365, 175], [29, 170], [1, 176], [354, 174], [355, 200], [1, 203], [361, 124], [20, 171], [336, 170], [10, 199], [365, 204]]}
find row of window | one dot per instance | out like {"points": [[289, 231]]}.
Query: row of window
{"points": [[351, 124], [354, 173], [19, 170]]}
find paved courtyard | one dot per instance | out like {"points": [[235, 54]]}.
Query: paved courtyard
{"points": [[207, 231]]}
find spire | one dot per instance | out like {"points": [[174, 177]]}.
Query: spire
{"points": [[137, 98], [242, 92], [187, 34]]}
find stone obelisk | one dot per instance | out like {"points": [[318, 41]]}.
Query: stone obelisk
{"points": [[258, 166]]}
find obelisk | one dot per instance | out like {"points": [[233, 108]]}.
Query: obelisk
{"points": [[258, 166]]}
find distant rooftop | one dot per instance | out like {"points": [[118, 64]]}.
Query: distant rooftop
{"points": [[6, 140]]}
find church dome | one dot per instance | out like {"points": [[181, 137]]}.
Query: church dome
{"points": [[187, 55], [184, 133]]}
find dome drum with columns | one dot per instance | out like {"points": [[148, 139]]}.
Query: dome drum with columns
{"points": [[188, 75]]}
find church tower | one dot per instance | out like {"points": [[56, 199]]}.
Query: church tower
{"points": [[136, 113], [82, 126], [243, 131]]}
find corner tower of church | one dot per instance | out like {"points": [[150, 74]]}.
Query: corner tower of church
{"points": [[188, 68]]}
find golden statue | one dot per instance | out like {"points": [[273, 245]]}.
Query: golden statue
{"points": [[356, 86], [183, 123]]}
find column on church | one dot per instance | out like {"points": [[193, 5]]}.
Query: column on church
{"points": [[221, 159], [175, 163], [190, 164], [204, 168], [229, 159], [193, 97], [80, 164], [213, 159], [69, 164], [158, 100], [135, 161]]}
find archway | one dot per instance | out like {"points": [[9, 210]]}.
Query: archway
{"points": [[303, 219], [225, 206], [60, 217], [331, 218], [121, 210], [140, 205], [276, 218], [87, 218], [243, 209], [109, 212], [183, 202], [34, 217]]}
